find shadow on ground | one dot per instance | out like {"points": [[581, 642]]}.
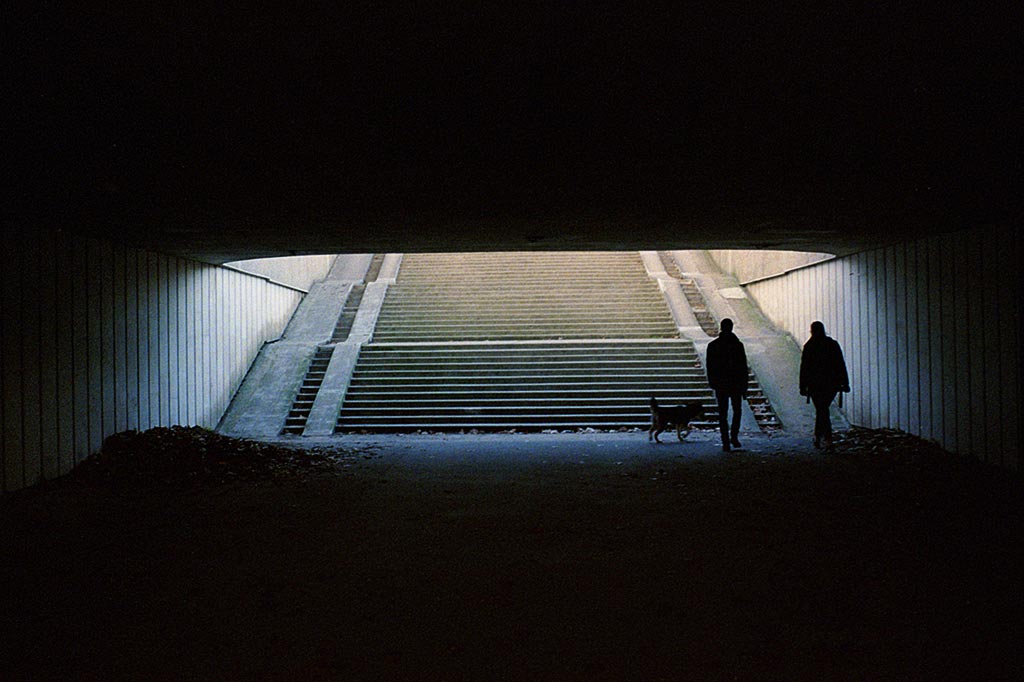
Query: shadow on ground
{"points": [[540, 557]]}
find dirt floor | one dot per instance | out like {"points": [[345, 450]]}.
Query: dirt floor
{"points": [[533, 557]]}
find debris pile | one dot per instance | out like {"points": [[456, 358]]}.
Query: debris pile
{"points": [[894, 448], [898, 445], [184, 454]]}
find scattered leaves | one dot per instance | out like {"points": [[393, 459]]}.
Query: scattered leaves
{"points": [[182, 454]]}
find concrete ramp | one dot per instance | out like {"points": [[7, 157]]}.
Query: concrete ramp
{"points": [[280, 380], [773, 355]]}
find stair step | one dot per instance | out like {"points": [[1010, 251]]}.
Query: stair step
{"points": [[302, 403], [554, 364]]}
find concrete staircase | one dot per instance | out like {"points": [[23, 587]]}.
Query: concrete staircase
{"points": [[355, 298], [491, 341], [526, 386], [695, 299], [503, 341], [511, 296], [298, 415]]}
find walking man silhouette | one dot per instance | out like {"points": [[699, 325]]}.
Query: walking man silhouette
{"points": [[822, 375], [728, 377]]}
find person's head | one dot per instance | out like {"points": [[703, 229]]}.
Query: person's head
{"points": [[727, 325], [817, 329]]}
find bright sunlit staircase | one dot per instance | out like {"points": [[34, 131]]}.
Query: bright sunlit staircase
{"points": [[521, 341], [523, 296]]}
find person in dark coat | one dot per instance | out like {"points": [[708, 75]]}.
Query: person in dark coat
{"points": [[728, 377], [822, 375]]}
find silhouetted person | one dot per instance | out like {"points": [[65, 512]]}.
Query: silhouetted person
{"points": [[822, 376], [728, 376]]}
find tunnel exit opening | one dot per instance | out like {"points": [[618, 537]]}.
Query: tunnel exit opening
{"points": [[463, 342], [100, 338], [513, 342]]}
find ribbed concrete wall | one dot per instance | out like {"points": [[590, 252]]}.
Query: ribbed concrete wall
{"points": [[931, 332], [97, 339]]}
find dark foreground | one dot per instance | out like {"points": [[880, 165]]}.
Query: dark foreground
{"points": [[546, 557]]}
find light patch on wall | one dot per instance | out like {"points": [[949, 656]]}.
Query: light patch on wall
{"points": [[735, 293], [750, 266], [294, 271]]}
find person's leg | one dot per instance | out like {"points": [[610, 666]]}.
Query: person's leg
{"points": [[826, 423], [815, 399], [737, 403], [822, 418], [723, 417]]}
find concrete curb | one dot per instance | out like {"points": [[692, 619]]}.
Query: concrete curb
{"points": [[682, 314], [324, 414], [265, 397]]}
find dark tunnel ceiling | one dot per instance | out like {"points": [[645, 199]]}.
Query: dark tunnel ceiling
{"points": [[224, 135]]}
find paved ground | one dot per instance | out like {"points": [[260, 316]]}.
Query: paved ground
{"points": [[540, 557]]}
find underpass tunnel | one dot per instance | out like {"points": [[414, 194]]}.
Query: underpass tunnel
{"points": [[100, 338], [148, 150]]}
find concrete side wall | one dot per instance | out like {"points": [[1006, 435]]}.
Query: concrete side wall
{"points": [[931, 333], [295, 271], [97, 338], [751, 265]]}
